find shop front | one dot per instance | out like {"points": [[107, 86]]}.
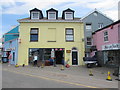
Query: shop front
{"points": [[111, 54], [47, 55]]}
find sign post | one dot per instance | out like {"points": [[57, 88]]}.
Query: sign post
{"points": [[53, 56]]}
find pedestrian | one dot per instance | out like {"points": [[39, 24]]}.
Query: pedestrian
{"points": [[35, 58]]}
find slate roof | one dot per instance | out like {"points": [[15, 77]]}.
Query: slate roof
{"points": [[47, 20]]}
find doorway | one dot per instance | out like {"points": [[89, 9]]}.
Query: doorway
{"points": [[74, 58], [59, 57], [13, 56]]}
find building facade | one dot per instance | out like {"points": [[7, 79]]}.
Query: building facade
{"points": [[92, 22], [51, 36], [10, 46], [107, 43]]}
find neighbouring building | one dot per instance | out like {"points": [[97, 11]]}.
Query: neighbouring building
{"points": [[106, 43], [10, 46], [119, 10], [51, 36], [92, 22]]}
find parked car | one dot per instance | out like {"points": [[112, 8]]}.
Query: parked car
{"points": [[90, 61]]}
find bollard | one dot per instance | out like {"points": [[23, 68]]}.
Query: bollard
{"points": [[109, 77], [91, 74], [42, 65], [62, 67], [16, 65], [23, 65]]}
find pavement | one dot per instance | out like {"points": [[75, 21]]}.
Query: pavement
{"points": [[75, 75]]}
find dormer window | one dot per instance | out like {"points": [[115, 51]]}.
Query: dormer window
{"points": [[35, 15], [68, 15], [51, 15]]}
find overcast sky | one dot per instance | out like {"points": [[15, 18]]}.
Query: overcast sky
{"points": [[12, 10]]}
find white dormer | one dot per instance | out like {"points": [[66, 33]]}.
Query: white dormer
{"points": [[35, 15], [51, 15], [68, 15]]}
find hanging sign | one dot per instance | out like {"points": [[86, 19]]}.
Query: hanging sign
{"points": [[68, 51]]}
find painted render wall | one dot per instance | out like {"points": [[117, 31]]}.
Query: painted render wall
{"points": [[43, 38], [98, 37]]}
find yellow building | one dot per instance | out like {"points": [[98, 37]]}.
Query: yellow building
{"points": [[51, 36]]}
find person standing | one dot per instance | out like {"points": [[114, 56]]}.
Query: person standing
{"points": [[35, 58]]}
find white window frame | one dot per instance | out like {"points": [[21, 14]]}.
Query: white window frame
{"points": [[37, 13], [88, 41], [88, 28], [52, 13], [68, 17], [105, 36], [100, 25], [69, 35]]}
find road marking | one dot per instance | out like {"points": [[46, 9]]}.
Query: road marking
{"points": [[77, 84]]}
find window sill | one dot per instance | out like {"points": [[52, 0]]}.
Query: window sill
{"points": [[69, 41], [106, 41], [51, 41], [33, 41]]}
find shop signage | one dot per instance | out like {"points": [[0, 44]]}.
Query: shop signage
{"points": [[9, 49], [111, 46], [52, 53], [68, 51]]}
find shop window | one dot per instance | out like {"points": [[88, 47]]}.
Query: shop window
{"points": [[89, 41], [47, 54], [69, 34], [34, 35], [105, 36]]}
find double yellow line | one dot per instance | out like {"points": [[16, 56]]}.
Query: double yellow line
{"points": [[77, 84]]}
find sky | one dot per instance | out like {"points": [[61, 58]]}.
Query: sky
{"points": [[12, 10]]}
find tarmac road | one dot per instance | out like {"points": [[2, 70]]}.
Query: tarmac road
{"points": [[15, 80], [50, 77]]}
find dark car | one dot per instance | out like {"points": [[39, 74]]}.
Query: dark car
{"points": [[90, 61]]}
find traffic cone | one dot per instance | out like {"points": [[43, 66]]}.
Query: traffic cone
{"points": [[62, 67], [91, 74], [16, 65], [109, 77]]}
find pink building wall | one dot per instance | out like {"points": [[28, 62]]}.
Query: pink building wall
{"points": [[113, 38]]}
